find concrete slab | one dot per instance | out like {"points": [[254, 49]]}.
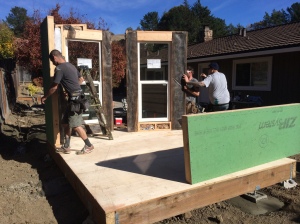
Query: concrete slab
{"points": [[270, 204]]}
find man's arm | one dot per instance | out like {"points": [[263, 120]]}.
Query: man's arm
{"points": [[198, 84], [52, 89], [194, 91]]}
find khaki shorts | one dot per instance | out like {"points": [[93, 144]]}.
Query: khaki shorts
{"points": [[71, 118]]}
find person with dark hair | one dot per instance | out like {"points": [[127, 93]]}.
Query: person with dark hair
{"points": [[216, 83], [191, 91], [69, 77]]}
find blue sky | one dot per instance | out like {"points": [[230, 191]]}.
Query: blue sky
{"points": [[121, 14]]}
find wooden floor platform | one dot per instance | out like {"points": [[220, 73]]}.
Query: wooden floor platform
{"points": [[139, 177]]}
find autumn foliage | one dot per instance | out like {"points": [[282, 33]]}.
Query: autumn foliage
{"points": [[28, 48], [6, 42], [118, 62]]}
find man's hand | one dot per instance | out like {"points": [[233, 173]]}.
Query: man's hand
{"points": [[43, 99], [203, 75], [52, 89], [185, 78]]}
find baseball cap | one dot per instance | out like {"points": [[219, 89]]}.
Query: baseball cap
{"points": [[214, 65]]}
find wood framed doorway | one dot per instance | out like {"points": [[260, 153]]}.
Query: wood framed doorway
{"points": [[59, 36]]}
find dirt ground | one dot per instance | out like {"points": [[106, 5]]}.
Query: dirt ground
{"points": [[34, 190]]}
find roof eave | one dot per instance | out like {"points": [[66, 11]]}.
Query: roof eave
{"points": [[249, 53]]}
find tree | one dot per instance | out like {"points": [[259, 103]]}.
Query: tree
{"points": [[231, 29], [150, 21], [186, 18], [280, 17], [28, 48], [186, 3], [204, 17], [179, 18], [118, 62], [294, 12], [6, 42], [16, 20], [276, 18], [202, 13], [219, 27]]}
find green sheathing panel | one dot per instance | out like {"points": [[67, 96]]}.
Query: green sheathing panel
{"points": [[221, 143]]}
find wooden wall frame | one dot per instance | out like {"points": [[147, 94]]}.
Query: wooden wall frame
{"points": [[178, 44], [74, 32]]}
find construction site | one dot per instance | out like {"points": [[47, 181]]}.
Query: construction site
{"points": [[152, 163]]}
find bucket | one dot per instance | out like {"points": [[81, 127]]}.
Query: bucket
{"points": [[118, 121]]}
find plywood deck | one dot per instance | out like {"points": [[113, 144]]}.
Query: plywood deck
{"points": [[139, 177]]}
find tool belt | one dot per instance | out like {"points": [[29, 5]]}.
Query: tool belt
{"points": [[75, 95], [193, 108], [78, 102]]}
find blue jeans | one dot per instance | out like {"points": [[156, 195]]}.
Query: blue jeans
{"points": [[221, 107]]}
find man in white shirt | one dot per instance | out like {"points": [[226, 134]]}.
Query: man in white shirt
{"points": [[216, 83]]}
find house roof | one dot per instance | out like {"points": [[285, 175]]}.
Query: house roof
{"points": [[278, 37]]}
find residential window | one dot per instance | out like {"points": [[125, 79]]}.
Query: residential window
{"points": [[153, 85], [153, 74], [252, 74]]}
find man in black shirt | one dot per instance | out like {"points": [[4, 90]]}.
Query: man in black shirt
{"points": [[69, 77]]}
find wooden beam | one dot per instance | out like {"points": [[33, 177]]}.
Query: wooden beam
{"points": [[132, 81], [47, 44], [76, 26], [220, 143], [107, 79], [86, 197], [177, 68], [207, 193], [92, 35], [158, 36], [142, 180]]}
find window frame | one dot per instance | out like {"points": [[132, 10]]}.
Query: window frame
{"points": [[150, 82], [155, 70], [252, 60]]}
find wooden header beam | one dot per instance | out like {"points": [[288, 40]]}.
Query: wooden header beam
{"points": [[221, 143], [87, 35], [159, 36]]}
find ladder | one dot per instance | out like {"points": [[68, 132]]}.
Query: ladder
{"points": [[85, 72]]}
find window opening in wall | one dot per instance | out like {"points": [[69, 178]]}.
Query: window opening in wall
{"points": [[79, 52]]}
